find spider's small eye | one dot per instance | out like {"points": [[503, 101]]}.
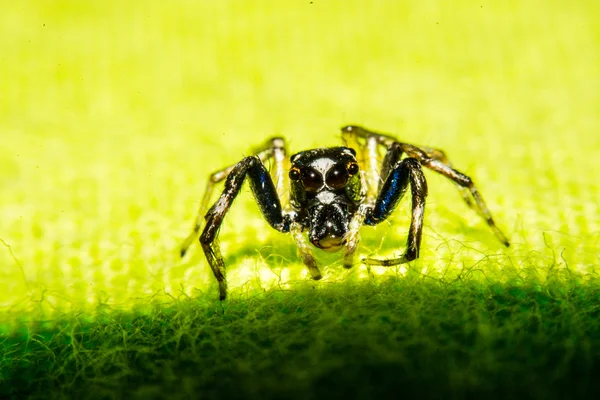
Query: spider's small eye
{"points": [[353, 169], [337, 176], [294, 174], [311, 180]]}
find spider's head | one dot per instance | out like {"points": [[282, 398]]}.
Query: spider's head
{"points": [[326, 188]]}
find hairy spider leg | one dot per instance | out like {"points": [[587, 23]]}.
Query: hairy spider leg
{"points": [[372, 173], [266, 197], [386, 185], [304, 249], [440, 155], [368, 158], [437, 161], [352, 237], [382, 198], [273, 148], [466, 192], [397, 174]]}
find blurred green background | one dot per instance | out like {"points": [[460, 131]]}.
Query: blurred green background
{"points": [[112, 115]]}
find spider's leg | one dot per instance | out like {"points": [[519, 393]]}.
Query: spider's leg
{"points": [[440, 155], [352, 236], [368, 158], [436, 160], [214, 178], [398, 175], [372, 178], [372, 174], [463, 181], [304, 249], [273, 148], [268, 202]]}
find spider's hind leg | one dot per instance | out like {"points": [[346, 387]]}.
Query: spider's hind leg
{"points": [[437, 161], [440, 155]]}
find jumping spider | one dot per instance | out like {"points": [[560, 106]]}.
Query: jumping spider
{"points": [[333, 192]]}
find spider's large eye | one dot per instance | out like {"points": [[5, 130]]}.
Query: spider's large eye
{"points": [[294, 174], [311, 180], [337, 176]]}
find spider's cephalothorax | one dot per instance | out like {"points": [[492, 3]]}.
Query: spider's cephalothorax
{"points": [[332, 195], [325, 191]]}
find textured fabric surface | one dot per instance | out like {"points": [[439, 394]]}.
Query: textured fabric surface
{"points": [[113, 114]]}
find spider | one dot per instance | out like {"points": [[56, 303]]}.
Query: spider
{"points": [[333, 192]]}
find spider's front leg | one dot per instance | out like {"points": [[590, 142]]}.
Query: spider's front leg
{"points": [[396, 175], [268, 201], [274, 149]]}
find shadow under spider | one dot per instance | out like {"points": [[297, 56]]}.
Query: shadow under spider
{"points": [[279, 251]]}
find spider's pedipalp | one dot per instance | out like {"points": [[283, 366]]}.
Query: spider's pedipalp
{"points": [[304, 250], [352, 236]]}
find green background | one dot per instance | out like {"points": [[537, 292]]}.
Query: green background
{"points": [[113, 114]]}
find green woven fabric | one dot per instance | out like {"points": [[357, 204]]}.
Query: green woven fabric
{"points": [[113, 114]]}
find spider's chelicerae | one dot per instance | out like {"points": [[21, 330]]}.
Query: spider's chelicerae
{"points": [[333, 192]]}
